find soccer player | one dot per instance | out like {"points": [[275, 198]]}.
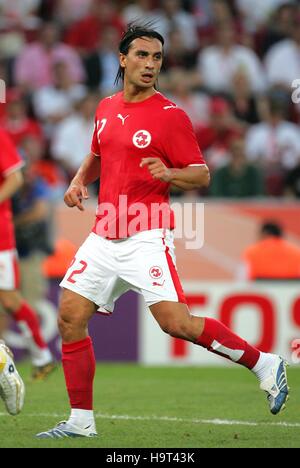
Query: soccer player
{"points": [[143, 144], [12, 301]]}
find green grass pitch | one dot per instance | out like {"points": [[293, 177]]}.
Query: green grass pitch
{"points": [[160, 407]]}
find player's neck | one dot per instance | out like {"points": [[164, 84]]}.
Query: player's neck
{"points": [[134, 94]]}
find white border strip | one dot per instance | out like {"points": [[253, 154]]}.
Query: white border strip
{"points": [[14, 168], [215, 422]]}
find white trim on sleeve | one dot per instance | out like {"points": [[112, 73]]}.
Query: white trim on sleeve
{"points": [[14, 168]]}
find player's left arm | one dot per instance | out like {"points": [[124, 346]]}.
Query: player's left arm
{"points": [[187, 169], [187, 178]]}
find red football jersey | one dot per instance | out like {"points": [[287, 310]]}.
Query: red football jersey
{"points": [[10, 161], [126, 132]]}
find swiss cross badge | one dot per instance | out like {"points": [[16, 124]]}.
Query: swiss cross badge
{"points": [[142, 139], [155, 272]]}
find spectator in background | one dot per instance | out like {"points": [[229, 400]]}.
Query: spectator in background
{"points": [[34, 66], [274, 144], [195, 104], [178, 55], [169, 16], [16, 120], [142, 10], [292, 183], [272, 257], [18, 15], [54, 103], [72, 137], [218, 64], [282, 61], [214, 137], [213, 14], [244, 102], [102, 65], [278, 27], [256, 13], [237, 178], [85, 35], [43, 167], [67, 12], [174, 17]]}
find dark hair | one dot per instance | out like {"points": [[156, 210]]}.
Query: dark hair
{"points": [[272, 228], [133, 32]]}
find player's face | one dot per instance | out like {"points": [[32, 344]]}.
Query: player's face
{"points": [[143, 62]]}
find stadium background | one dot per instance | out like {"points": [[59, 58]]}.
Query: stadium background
{"points": [[241, 107]]}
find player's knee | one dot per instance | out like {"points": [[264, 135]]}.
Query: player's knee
{"points": [[70, 321], [7, 304], [69, 326], [176, 329], [10, 301]]}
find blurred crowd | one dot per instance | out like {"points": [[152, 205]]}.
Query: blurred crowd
{"points": [[231, 65]]}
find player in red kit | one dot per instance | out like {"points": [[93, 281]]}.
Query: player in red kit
{"points": [[10, 298], [142, 145]]}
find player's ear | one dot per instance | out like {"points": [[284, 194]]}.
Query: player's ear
{"points": [[122, 59]]}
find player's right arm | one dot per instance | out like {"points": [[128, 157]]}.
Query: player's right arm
{"points": [[88, 173], [11, 185]]}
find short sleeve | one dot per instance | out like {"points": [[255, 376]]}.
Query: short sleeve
{"points": [[180, 143], [95, 142], [10, 161]]}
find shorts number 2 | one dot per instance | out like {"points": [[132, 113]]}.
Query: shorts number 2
{"points": [[77, 272]]}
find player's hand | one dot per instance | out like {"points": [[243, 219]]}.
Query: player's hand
{"points": [[75, 194], [157, 169]]}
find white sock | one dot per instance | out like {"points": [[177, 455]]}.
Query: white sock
{"points": [[82, 418], [40, 357], [263, 366]]}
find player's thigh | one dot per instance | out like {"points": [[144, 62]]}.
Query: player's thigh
{"points": [[9, 270], [150, 267], [92, 273]]}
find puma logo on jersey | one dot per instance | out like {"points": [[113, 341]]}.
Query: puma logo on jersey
{"points": [[170, 107], [122, 118]]}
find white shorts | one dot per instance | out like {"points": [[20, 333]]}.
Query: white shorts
{"points": [[9, 270], [103, 270]]}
